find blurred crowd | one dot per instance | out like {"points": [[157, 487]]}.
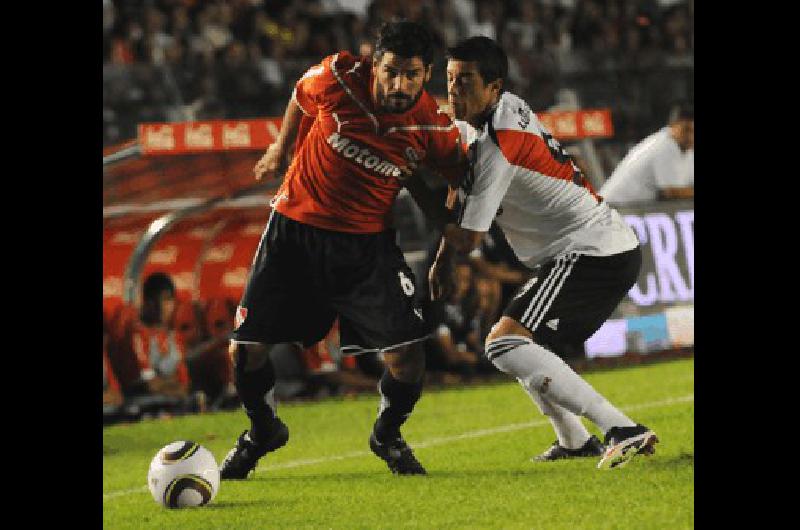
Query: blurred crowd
{"points": [[170, 60]]}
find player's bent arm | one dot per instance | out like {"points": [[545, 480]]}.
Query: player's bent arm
{"points": [[455, 240], [278, 150], [462, 240], [435, 204], [290, 124], [431, 202]]}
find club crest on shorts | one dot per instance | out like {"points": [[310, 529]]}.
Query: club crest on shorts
{"points": [[241, 314]]}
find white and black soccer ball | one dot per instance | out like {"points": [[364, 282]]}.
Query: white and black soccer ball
{"points": [[183, 474]]}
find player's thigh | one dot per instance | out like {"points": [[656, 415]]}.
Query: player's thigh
{"points": [[282, 300], [377, 304], [571, 296]]}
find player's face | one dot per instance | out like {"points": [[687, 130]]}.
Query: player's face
{"points": [[167, 302], [468, 94], [397, 82]]}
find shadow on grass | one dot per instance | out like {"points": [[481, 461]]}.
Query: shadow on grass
{"points": [[333, 475], [433, 474], [681, 459]]}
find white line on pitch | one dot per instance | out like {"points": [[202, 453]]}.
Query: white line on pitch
{"points": [[427, 443]]}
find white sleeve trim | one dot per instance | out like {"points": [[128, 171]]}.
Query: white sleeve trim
{"points": [[294, 98]]}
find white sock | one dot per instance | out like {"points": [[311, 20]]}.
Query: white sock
{"points": [[540, 369], [570, 431]]}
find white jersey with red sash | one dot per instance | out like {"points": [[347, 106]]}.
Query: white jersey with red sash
{"points": [[523, 179]]}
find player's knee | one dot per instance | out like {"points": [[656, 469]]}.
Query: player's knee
{"points": [[503, 339], [506, 327], [407, 365], [248, 357]]}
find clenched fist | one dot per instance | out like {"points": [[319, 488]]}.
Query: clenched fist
{"points": [[270, 163]]}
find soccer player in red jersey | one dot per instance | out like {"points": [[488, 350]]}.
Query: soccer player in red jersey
{"points": [[328, 248]]}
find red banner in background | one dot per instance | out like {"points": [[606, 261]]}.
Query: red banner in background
{"points": [[578, 124], [226, 135], [207, 136]]}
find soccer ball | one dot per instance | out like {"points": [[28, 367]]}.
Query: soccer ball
{"points": [[183, 474]]}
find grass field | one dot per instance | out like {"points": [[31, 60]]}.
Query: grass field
{"points": [[475, 443]]}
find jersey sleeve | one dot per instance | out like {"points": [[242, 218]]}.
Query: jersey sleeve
{"points": [[310, 87], [484, 188]]}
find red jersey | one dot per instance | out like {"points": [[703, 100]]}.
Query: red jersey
{"points": [[345, 175]]}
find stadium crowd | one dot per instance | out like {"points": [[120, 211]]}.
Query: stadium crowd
{"points": [[201, 59]]}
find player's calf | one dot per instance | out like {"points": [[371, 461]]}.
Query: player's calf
{"points": [[254, 378], [398, 398]]}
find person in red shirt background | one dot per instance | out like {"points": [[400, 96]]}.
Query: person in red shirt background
{"points": [[328, 248], [146, 356], [156, 343]]}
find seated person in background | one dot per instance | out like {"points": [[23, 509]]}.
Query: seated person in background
{"points": [[659, 167], [203, 336], [448, 349], [156, 341]]}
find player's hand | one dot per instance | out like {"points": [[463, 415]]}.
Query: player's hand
{"points": [[270, 163], [408, 170], [440, 281]]}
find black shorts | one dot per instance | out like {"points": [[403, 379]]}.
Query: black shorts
{"points": [[570, 297], [303, 277]]}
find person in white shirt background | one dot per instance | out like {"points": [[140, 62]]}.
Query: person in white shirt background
{"points": [[659, 167]]}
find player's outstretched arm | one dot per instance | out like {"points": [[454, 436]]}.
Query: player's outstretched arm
{"points": [[270, 163], [455, 240]]}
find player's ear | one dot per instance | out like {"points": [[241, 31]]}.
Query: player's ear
{"points": [[497, 84], [428, 70]]}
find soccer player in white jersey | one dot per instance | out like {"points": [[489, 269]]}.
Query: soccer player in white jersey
{"points": [[659, 167], [584, 256]]}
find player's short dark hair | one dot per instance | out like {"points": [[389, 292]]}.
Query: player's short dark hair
{"points": [[406, 39], [681, 111], [492, 60], [155, 284]]}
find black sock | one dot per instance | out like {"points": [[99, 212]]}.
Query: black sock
{"points": [[397, 400], [252, 388]]}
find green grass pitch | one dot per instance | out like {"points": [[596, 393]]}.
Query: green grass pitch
{"points": [[475, 442]]}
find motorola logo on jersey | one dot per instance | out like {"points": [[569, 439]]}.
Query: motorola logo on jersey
{"points": [[351, 149]]}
